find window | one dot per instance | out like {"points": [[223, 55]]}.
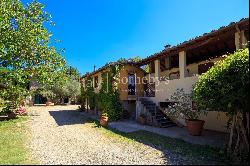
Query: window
{"points": [[96, 81], [131, 84], [202, 68]]}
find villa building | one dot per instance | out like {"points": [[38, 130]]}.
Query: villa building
{"points": [[129, 91], [177, 67]]}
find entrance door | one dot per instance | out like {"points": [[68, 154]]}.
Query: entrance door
{"points": [[39, 99], [131, 84]]}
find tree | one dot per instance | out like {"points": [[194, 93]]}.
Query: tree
{"points": [[61, 90], [74, 88], [73, 73], [225, 87], [136, 58], [24, 48]]}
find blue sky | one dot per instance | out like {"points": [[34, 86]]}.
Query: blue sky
{"points": [[94, 32]]}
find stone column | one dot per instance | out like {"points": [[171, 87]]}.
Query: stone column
{"points": [[157, 69], [93, 82], [182, 64], [240, 40], [237, 40], [243, 38]]}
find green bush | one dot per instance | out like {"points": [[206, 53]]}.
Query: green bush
{"points": [[182, 106], [225, 87], [1, 102]]}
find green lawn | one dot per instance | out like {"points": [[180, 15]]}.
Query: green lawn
{"points": [[13, 140], [190, 153]]}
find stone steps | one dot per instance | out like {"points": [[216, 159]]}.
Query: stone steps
{"points": [[161, 119]]}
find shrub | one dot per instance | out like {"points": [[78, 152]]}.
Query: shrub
{"points": [[182, 106], [225, 87], [1, 102]]}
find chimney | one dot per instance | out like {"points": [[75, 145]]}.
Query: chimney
{"points": [[94, 68]]}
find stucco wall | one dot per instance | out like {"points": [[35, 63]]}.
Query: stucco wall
{"points": [[213, 121], [123, 79], [164, 89], [123, 85]]}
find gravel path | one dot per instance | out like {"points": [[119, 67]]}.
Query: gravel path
{"points": [[61, 135]]}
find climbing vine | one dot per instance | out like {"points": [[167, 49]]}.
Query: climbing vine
{"points": [[88, 95], [109, 95]]}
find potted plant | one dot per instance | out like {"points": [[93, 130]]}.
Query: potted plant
{"points": [[142, 119], [181, 107], [104, 120]]}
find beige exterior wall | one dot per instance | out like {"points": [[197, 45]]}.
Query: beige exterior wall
{"points": [[214, 120], [123, 85], [164, 89]]}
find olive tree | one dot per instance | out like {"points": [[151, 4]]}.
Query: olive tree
{"points": [[225, 87]]}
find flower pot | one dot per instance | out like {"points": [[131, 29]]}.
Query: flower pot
{"points": [[104, 121], [142, 120], [195, 127]]}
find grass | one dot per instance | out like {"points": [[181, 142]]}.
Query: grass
{"points": [[190, 153], [13, 139]]}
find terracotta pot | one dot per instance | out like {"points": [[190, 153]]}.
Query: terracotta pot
{"points": [[104, 121], [142, 120], [195, 127]]}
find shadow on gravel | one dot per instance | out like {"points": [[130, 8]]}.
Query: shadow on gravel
{"points": [[67, 117], [176, 151]]}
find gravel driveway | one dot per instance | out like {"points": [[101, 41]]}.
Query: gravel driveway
{"points": [[61, 135]]}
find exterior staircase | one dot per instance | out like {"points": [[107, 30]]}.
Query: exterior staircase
{"points": [[158, 118]]}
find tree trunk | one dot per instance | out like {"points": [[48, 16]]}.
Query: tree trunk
{"points": [[231, 134]]}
